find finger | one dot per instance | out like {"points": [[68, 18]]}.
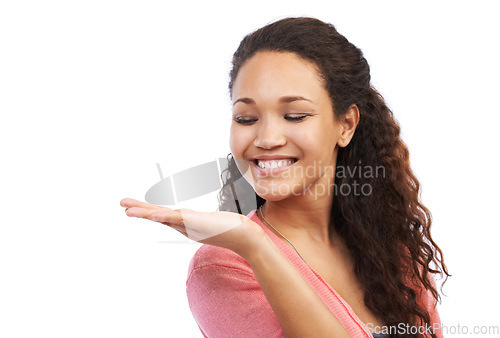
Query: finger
{"points": [[137, 212], [168, 216], [163, 219], [162, 215], [130, 202]]}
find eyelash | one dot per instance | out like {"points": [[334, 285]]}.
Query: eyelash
{"points": [[249, 122]]}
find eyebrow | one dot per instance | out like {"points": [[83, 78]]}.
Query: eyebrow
{"points": [[283, 99]]}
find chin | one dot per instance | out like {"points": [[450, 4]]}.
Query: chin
{"points": [[272, 192], [273, 198]]}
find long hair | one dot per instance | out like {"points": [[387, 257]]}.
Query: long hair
{"points": [[388, 230]]}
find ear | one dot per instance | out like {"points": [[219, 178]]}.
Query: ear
{"points": [[348, 124]]}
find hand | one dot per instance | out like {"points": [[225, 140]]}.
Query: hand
{"points": [[221, 228]]}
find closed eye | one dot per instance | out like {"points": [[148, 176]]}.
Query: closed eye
{"points": [[252, 121], [244, 121], [295, 118]]}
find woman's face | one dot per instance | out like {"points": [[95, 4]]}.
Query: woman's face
{"points": [[282, 113]]}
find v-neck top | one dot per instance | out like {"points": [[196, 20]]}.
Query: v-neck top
{"points": [[227, 301]]}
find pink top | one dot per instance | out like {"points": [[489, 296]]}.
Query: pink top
{"points": [[227, 301]]}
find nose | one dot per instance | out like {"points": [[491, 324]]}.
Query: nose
{"points": [[269, 135]]}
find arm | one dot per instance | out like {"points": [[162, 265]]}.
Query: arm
{"points": [[299, 309], [225, 298]]}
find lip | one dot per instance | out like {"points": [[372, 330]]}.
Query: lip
{"points": [[271, 171]]}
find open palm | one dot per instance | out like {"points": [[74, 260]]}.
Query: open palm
{"points": [[220, 228]]}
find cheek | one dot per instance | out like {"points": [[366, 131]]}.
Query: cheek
{"points": [[315, 143], [238, 141], [307, 140]]}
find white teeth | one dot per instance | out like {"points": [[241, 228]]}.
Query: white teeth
{"points": [[273, 163]]}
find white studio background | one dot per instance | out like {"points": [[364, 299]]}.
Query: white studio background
{"points": [[94, 93]]}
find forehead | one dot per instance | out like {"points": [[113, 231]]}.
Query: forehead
{"points": [[277, 74]]}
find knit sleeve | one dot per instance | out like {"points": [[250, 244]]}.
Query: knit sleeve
{"points": [[226, 299]]}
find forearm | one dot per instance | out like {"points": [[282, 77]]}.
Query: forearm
{"points": [[300, 311]]}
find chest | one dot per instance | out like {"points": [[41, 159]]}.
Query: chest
{"points": [[336, 268]]}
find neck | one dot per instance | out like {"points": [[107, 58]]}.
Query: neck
{"points": [[301, 218]]}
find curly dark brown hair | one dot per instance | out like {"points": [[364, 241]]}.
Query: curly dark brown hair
{"points": [[387, 231]]}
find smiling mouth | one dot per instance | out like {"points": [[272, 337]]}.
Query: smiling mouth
{"points": [[272, 164]]}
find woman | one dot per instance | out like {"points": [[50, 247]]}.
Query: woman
{"points": [[335, 242]]}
